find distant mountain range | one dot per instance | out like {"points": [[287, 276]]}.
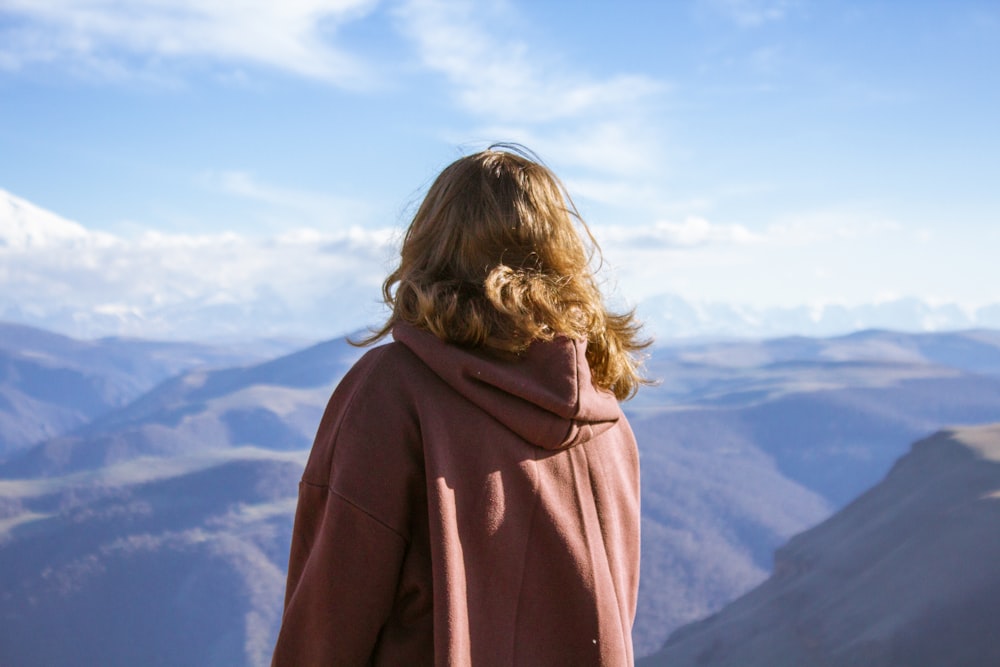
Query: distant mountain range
{"points": [[905, 576], [64, 277], [275, 405], [169, 515], [51, 384], [670, 317]]}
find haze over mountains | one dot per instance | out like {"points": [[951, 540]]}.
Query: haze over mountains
{"points": [[169, 516], [671, 316], [64, 277]]}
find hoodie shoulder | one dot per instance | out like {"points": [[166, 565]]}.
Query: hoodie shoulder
{"points": [[377, 390], [384, 368], [372, 423]]}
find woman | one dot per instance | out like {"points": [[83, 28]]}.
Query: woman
{"points": [[472, 496]]}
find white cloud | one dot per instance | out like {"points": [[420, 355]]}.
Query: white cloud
{"points": [[310, 282], [842, 256], [306, 282], [110, 36]]}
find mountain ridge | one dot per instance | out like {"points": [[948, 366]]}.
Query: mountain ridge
{"points": [[51, 384], [903, 575]]}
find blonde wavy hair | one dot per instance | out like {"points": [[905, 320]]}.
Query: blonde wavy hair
{"points": [[493, 259]]}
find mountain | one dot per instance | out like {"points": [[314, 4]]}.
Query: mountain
{"points": [[159, 533], [178, 562], [272, 405], [904, 575], [746, 443], [51, 384], [743, 444], [25, 225]]}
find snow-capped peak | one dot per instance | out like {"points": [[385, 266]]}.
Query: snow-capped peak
{"points": [[24, 225]]}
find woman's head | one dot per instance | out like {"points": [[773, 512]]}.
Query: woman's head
{"points": [[497, 257]]}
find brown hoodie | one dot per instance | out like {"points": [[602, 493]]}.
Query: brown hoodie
{"points": [[460, 509]]}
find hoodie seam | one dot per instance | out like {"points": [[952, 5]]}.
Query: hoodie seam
{"points": [[369, 515], [377, 361], [356, 506], [341, 413]]}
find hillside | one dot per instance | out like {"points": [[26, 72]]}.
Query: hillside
{"points": [[169, 517], [273, 405], [51, 384], [147, 563], [743, 445], [905, 575]]}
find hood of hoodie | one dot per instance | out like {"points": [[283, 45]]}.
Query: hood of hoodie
{"points": [[545, 395]]}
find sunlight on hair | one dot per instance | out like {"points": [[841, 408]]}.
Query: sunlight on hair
{"points": [[497, 257]]}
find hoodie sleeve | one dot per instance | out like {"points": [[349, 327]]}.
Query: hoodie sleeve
{"points": [[352, 523]]}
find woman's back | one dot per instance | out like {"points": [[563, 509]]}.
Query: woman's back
{"points": [[472, 496]]}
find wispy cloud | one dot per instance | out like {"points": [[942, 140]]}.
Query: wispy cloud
{"points": [[751, 13], [505, 80], [515, 91], [691, 233], [119, 38], [815, 227], [803, 232], [323, 210]]}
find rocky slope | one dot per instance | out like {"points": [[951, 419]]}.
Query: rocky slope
{"points": [[906, 575], [745, 444]]}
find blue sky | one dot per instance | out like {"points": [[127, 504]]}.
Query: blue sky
{"points": [[245, 167]]}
